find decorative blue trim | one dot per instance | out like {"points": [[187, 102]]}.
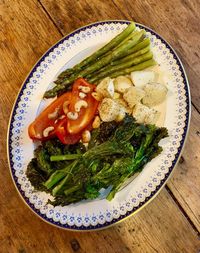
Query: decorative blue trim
{"points": [[188, 108]]}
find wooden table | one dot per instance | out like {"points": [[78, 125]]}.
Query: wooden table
{"points": [[171, 222]]}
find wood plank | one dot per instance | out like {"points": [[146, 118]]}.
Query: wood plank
{"points": [[25, 34], [24, 37], [177, 21], [185, 181], [151, 230], [70, 15]]}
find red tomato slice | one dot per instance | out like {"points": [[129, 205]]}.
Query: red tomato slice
{"points": [[86, 115], [64, 136], [37, 127], [67, 130]]}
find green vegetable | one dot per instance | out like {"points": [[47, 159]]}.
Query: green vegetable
{"points": [[131, 57], [129, 37], [55, 158], [108, 162], [117, 151], [115, 54], [137, 47], [103, 133], [125, 35], [35, 175], [107, 71], [59, 174], [127, 71]]}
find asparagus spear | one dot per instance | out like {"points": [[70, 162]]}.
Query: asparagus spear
{"points": [[140, 66], [111, 69], [115, 54], [130, 36], [142, 44], [67, 73], [131, 56], [125, 71], [113, 43]]}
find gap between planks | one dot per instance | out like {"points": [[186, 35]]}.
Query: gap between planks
{"points": [[195, 107], [50, 17], [182, 210], [166, 186]]}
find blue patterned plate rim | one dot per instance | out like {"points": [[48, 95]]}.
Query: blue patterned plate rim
{"points": [[162, 182]]}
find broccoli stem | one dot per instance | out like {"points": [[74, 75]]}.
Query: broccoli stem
{"points": [[55, 158], [58, 175]]}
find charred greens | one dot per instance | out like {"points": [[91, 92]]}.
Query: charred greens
{"points": [[116, 151]]}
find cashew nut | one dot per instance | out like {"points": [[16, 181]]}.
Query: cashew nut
{"points": [[47, 130], [86, 136], [54, 115], [80, 104], [82, 95], [84, 89], [65, 107], [72, 115], [96, 122]]}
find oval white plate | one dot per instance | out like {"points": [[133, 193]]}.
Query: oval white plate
{"points": [[90, 215]]}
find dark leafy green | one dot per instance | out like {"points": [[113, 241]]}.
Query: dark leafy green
{"points": [[116, 151]]}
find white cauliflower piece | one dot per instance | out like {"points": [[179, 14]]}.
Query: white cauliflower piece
{"points": [[140, 78], [122, 103], [122, 83], [155, 93], [106, 88], [121, 114], [133, 96], [108, 110], [144, 114]]}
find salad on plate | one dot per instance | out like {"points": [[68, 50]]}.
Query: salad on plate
{"points": [[103, 126]]}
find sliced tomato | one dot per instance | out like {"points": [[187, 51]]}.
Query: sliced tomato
{"points": [[86, 115], [64, 136], [43, 121], [67, 130]]}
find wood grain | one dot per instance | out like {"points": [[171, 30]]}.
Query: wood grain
{"points": [[151, 230], [26, 32], [177, 21], [185, 181]]}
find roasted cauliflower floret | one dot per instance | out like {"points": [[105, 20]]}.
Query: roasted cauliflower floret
{"points": [[122, 83], [144, 114], [106, 88], [140, 78], [133, 96], [155, 93], [122, 103], [108, 110]]}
